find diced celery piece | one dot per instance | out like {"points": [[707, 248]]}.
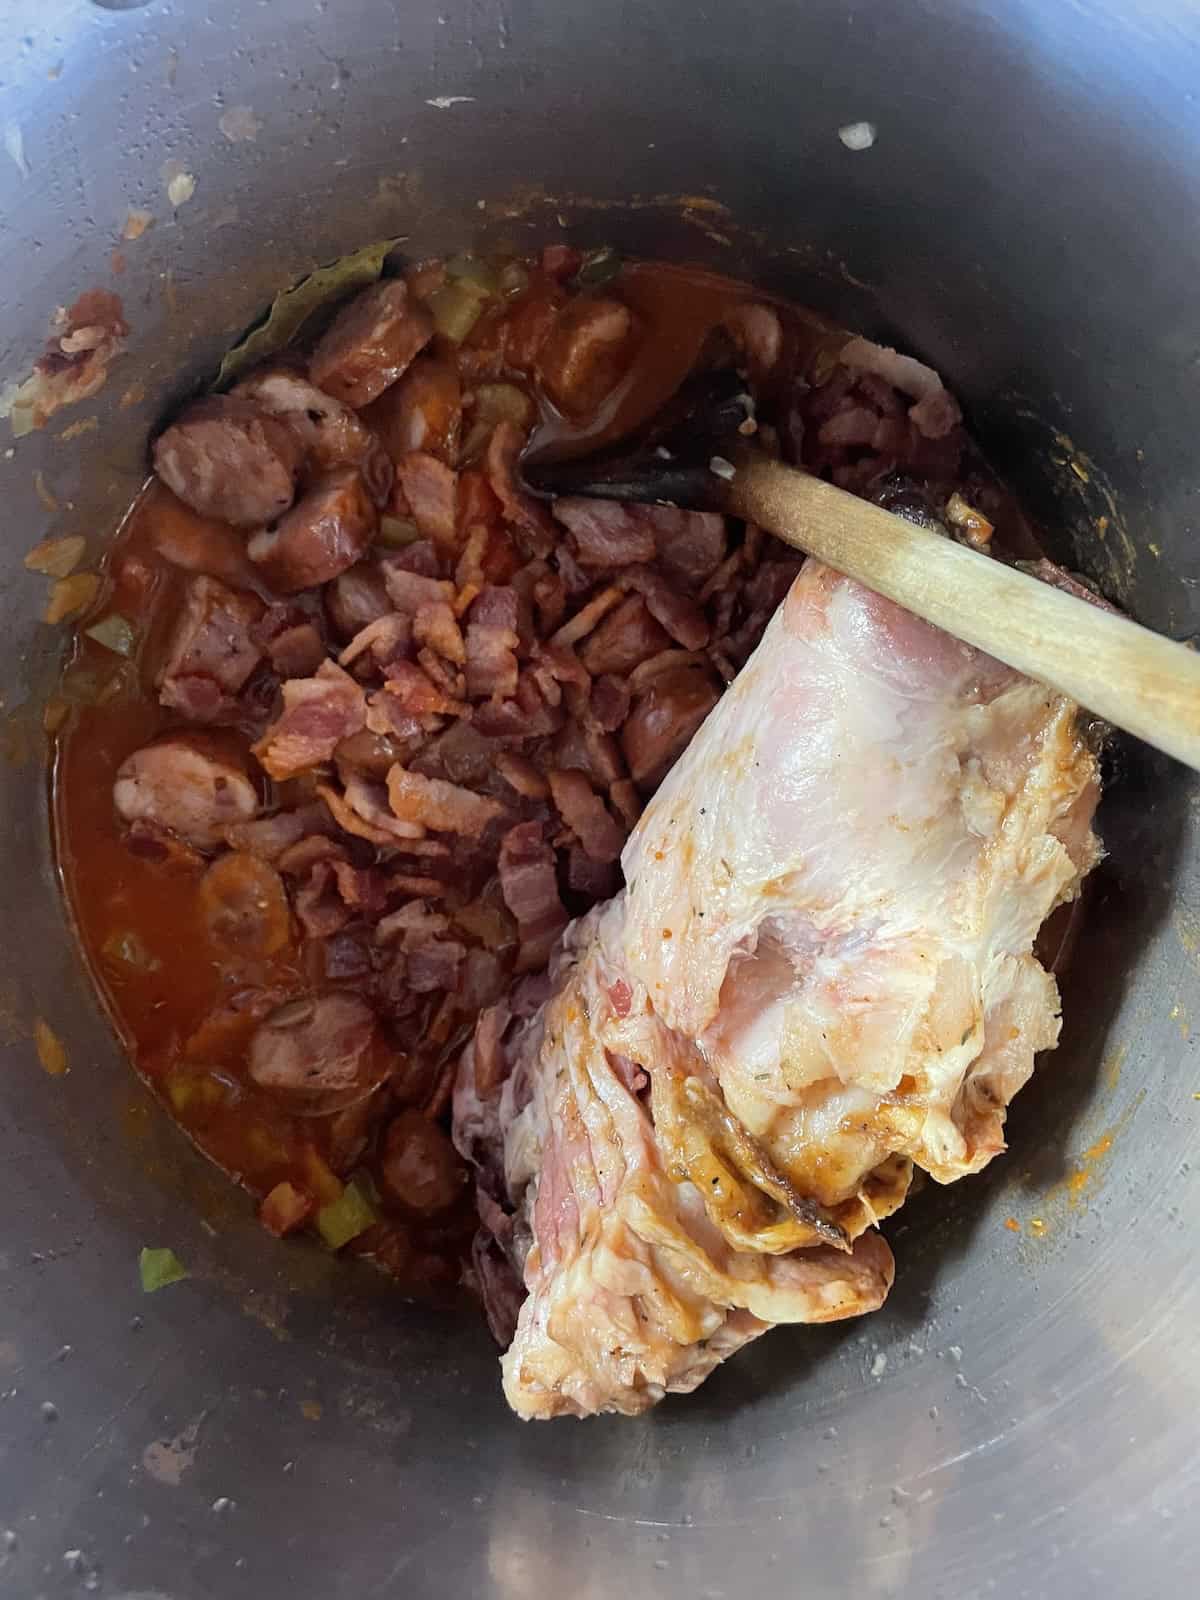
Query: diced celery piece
{"points": [[475, 273], [159, 1268], [345, 1218], [455, 309]]}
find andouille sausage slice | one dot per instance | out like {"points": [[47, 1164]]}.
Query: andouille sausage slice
{"points": [[212, 650], [370, 343], [332, 434], [316, 1044], [324, 534], [191, 784], [229, 459]]}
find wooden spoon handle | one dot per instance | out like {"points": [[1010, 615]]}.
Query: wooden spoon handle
{"points": [[1131, 677]]}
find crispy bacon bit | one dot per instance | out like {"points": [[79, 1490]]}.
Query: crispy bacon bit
{"points": [[682, 618], [530, 888], [431, 489], [589, 617], [436, 627], [519, 507], [388, 636], [608, 705], [625, 638], [606, 533], [434, 803], [409, 591], [417, 695], [491, 1068], [585, 814], [521, 774], [320, 908], [298, 858], [317, 713], [362, 810]]}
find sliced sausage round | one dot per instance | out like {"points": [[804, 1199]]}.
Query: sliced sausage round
{"points": [[245, 905], [355, 598], [663, 721], [317, 1044], [228, 459], [370, 343], [324, 534], [420, 1169], [332, 434], [187, 783]]}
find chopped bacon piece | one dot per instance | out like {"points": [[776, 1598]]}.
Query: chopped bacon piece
{"points": [[491, 1067], [519, 507], [436, 627], [296, 860], [317, 713], [609, 703], [414, 923], [626, 802], [268, 837], [682, 618], [586, 875], [388, 636], [212, 650], [409, 591], [434, 803], [320, 909], [626, 637], [606, 533], [585, 814], [435, 966], [589, 617], [530, 888], [521, 774], [362, 810], [431, 489], [416, 694]]}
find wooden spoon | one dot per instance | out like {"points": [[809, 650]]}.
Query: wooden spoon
{"points": [[1133, 678]]}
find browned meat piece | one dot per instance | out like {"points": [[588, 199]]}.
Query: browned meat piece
{"points": [[199, 544], [363, 810], [682, 618], [230, 460], [319, 1043], [585, 875], [212, 650], [1071, 583], [268, 837], [606, 533], [423, 411], [370, 343], [385, 639], [663, 721], [431, 489], [420, 1169], [520, 508], [317, 714], [586, 815], [355, 598], [530, 888], [529, 325], [492, 644], [586, 354], [434, 803], [332, 434], [627, 636], [324, 534], [609, 703], [245, 906], [188, 783], [519, 773], [151, 843], [414, 694], [297, 651]]}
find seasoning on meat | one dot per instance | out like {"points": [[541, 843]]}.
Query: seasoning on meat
{"points": [[370, 343], [231, 460]]}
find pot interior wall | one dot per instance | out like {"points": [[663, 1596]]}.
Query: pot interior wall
{"points": [[1019, 1414]]}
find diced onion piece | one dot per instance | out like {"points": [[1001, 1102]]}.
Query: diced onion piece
{"points": [[71, 595], [115, 633], [455, 308], [284, 1209], [345, 1218], [158, 1268], [56, 558], [395, 532], [960, 514], [474, 273]]}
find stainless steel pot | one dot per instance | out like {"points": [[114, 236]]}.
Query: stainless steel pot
{"points": [[1021, 1419]]}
